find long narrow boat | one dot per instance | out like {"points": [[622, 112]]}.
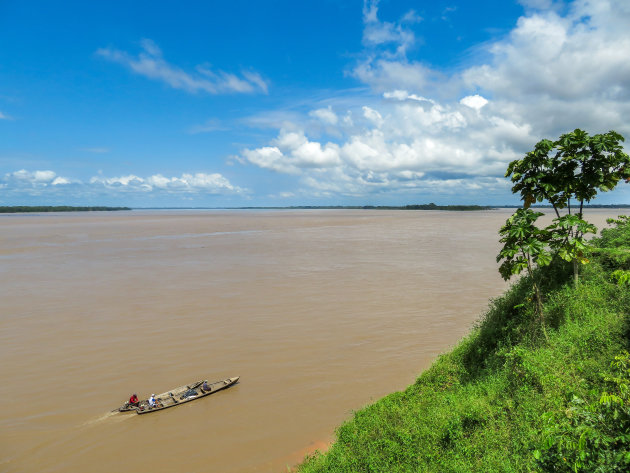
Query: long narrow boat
{"points": [[180, 395]]}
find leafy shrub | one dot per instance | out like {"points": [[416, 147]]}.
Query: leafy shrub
{"points": [[591, 436]]}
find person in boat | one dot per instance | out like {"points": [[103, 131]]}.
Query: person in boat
{"points": [[152, 401], [205, 386], [133, 400]]}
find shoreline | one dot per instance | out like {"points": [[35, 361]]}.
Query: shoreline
{"points": [[298, 457]]}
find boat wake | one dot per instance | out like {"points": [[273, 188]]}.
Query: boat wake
{"points": [[114, 416]]}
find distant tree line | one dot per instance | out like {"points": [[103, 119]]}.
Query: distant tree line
{"points": [[430, 206], [55, 208]]}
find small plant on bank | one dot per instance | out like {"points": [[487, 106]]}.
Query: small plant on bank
{"points": [[525, 247]]}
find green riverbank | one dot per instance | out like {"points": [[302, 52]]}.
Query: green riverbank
{"points": [[507, 399]]}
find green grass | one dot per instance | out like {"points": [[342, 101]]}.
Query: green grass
{"points": [[505, 394]]}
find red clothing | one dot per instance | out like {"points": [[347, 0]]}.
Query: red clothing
{"points": [[133, 399]]}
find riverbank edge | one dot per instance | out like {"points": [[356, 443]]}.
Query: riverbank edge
{"points": [[487, 404]]}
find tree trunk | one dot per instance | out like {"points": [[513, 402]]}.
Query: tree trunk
{"points": [[576, 267], [539, 308], [538, 297]]}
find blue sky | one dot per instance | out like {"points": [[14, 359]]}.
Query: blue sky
{"points": [[278, 103]]}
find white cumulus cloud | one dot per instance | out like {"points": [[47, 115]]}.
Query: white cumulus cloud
{"points": [[26, 178], [474, 101], [186, 183], [42, 184], [373, 116], [293, 152], [325, 115]]}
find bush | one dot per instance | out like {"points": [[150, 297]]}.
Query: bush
{"points": [[591, 435]]}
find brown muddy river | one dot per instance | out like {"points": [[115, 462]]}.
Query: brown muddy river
{"points": [[319, 312]]}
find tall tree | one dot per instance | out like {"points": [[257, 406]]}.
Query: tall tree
{"points": [[568, 173]]}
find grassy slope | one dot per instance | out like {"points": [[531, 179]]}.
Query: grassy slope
{"points": [[479, 407]]}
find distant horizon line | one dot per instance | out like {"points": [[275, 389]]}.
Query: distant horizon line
{"points": [[314, 207], [368, 207], [430, 206]]}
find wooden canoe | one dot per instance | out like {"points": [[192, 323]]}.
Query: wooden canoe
{"points": [[179, 395]]}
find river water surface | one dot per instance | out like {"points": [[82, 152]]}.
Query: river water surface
{"points": [[319, 312]]}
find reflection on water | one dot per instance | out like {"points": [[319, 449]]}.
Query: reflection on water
{"points": [[319, 312]]}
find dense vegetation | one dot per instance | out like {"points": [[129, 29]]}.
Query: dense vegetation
{"points": [[55, 208], [506, 399]]}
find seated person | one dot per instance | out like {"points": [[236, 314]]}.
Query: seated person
{"points": [[133, 400], [205, 386], [152, 401]]}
